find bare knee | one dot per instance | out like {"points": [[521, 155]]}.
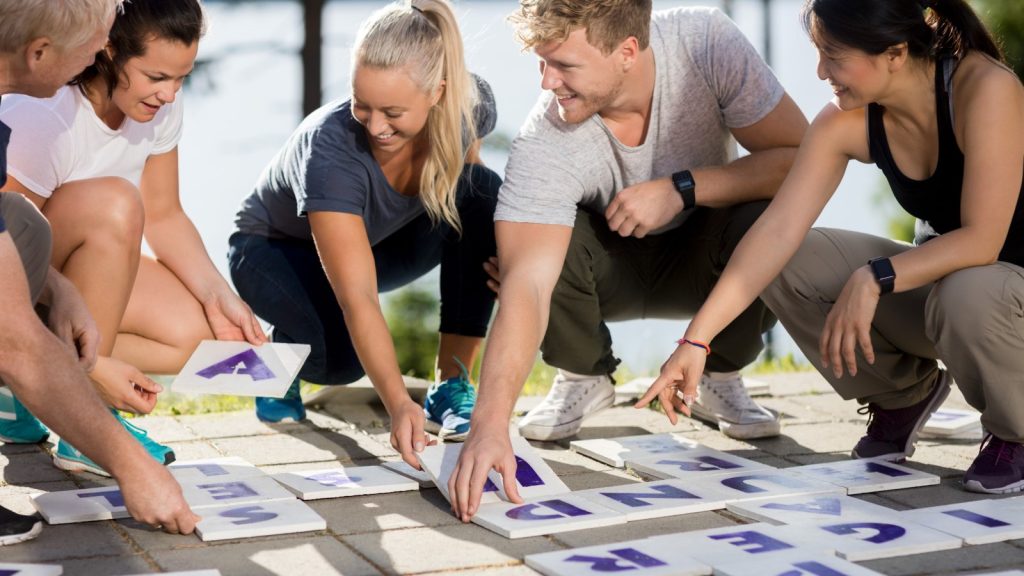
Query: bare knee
{"points": [[99, 210]]}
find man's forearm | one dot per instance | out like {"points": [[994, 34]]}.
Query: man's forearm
{"points": [[47, 379], [511, 350], [756, 176]]}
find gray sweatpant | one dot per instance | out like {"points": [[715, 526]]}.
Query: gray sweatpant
{"points": [[972, 319], [31, 235], [608, 278]]}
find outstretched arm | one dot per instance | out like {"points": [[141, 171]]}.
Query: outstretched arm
{"points": [[178, 245], [531, 257], [45, 376], [833, 139], [347, 258]]}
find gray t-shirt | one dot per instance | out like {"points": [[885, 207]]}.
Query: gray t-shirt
{"points": [[708, 79], [327, 166]]}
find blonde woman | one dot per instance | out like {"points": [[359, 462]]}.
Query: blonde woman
{"points": [[367, 195]]}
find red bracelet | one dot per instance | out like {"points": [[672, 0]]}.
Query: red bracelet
{"points": [[702, 345]]}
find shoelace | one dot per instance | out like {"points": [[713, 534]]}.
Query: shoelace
{"points": [[462, 397], [878, 421], [564, 393], [135, 429], [1006, 452]]}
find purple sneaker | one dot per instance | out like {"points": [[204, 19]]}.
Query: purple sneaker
{"points": [[892, 433], [998, 469]]}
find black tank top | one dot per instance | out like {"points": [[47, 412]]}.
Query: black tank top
{"points": [[935, 201]]}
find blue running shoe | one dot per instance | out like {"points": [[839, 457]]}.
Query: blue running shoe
{"points": [[17, 424], [448, 406], [67, 457], [278, 409]]}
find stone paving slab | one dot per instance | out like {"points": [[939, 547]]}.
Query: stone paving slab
{"points": [[415, 533], [307, 555], [462, 546]]}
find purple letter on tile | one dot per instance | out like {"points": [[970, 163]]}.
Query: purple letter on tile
{"points": [[752, 542], [976, 518], [334, 478], [526, 476], [883, 532], [633, 559], [248, 363], [830, 506], [701, 464], [815, 568], [562, 510], [248, 515], [228, 490], [638, 499], [113, 497]]}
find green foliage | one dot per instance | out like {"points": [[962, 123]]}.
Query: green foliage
{"points": [[1005, 18], [787, 363], [412, 317], [899, 224]]}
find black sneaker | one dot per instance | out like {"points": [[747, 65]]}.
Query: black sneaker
{"points": [[892, 433], [16, 527], [998, 469]]}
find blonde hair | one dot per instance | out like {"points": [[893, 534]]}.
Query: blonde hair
{"points": [[608, 22], [67, 23], [423, 37]]}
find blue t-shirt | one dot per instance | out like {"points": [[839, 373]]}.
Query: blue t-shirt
{"points": [[327, 166], [5, 137]]}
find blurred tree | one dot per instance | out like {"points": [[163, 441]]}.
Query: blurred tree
{"points": [[1005, 18], [412, 316]]}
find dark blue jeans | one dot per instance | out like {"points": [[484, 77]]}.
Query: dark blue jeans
{"points": [[285, 284]]}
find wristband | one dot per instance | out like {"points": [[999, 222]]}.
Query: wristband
{"points": [[697, 343], [684, 184]]}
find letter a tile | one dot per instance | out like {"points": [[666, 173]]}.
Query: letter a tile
{"points": [[698, 462], [809, 509]]}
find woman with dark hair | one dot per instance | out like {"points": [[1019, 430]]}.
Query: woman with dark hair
{"points": [[100, 160], [922, 92]]}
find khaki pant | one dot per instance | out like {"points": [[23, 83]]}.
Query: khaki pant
{"points": [[973, 320], [609, 278], [31, 235]]}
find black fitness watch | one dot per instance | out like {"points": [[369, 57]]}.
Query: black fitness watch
{"points": [[882, 268], [683, 181]]}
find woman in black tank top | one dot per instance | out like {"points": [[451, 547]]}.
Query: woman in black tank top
{"points": [[921, 91]]}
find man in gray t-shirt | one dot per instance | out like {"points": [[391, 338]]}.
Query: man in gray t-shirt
{"points": [[623, 198]]}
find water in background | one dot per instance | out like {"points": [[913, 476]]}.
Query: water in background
{"points": [[243, 105]]}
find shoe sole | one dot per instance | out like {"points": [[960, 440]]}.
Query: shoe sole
{"points": [[943, 387], [437, 430], [567, 429], [76, 466], [7, 440], [37, 528], [975, 486]]}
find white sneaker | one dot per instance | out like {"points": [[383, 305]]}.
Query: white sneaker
{"points": [[572, 399], [723, 400]]}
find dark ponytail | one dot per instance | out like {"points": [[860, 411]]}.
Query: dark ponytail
{"points": [[929, 27]]}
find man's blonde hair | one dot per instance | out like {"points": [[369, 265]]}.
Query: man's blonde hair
{"points": [[67, 23], [608, 22]]}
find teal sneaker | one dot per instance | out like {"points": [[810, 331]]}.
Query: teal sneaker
{"points": [[448, 406], [278, 409], [17, 424], [67, 457]]}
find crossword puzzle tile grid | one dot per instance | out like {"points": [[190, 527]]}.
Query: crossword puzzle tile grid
{"points": [[560, 512]]}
